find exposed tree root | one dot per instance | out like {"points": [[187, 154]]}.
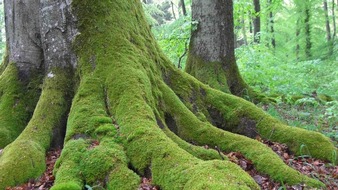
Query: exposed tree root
{"points": [[127, 98], [265, 160], [236, 115], [17, 102], [197, 151], [25, 157]]}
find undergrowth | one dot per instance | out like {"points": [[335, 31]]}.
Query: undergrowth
{"points": [[306, 91]]}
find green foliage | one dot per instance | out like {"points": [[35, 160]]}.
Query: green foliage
{"points": [[157, 14], [174, 38], [273, 74]]}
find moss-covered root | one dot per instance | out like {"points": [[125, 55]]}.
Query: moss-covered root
{"points": [[235, 110], [151, 152], [173, 168], [265, 160], [97, 166], [226, 80], [16, 103], [25, 157], [197, 151], [90, 155]]}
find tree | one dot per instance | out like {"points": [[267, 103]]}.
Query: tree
{"points": [[271, 24], [89, 75], [211, 57], [327, 21], [257, 21], [184, 10], [308, 45], [333, 20]]}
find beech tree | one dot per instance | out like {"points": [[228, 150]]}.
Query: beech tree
{"points": [[89, 76]]}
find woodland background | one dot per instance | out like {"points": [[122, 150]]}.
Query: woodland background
{"points": [[297, 67]]}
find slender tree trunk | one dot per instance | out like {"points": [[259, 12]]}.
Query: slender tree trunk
{"points": [[257, 21], [184, 10], [308, 42], [173, 9], [333, 20], [245, 38], [327, 21], [250, 22], [297, 38], [271, 24]]}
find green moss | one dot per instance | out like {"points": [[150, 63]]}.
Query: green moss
{"points": [[17, 103], [24, 159], [124, 179], [210, 73], [224, 77], [68, 186], [197, 151], [264, 159], [36, 138], [106, 130], [66, 169], [317, 145]]}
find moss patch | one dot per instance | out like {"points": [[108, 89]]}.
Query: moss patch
{"points": [[48, 113], [17, 103]]}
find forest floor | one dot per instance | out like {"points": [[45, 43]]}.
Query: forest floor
{"points": [[325, 172]]}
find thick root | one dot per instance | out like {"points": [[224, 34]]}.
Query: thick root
{"points": [[191, 129], [197, 151], [37, 136], [16, 105], [236, 115], [91, 155], [153, 153], [255, 122]]}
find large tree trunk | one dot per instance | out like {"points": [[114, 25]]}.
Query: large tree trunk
{"points": [[130, 112], [211, 58]]}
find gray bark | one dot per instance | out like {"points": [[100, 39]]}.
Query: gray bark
{"points": [[208, 40], [37, 38], [23, 35]]}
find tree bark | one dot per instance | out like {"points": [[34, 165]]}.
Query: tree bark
{"points": [[184, 10], [211, 56], [126, 111], [173, 9], [271, 26], [334, 21], [308, 42], [297, 39], [257, 21], [327, 21]]}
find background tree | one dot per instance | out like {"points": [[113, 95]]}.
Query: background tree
{"points": [[257, 21], [211, 57], [327, 23], [123, 111], [184, 10], [280, 72]]}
